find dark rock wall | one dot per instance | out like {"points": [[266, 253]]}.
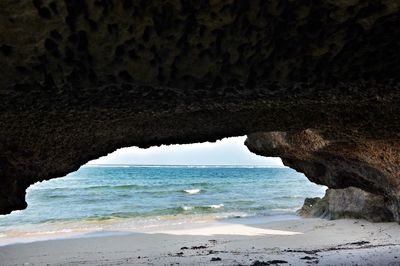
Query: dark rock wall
{"points": [[79, 79]]}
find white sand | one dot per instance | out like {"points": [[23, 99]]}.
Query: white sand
{"points": [[299, 242]]}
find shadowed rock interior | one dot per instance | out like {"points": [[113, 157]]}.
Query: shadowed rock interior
{"points": [[79, 79]]}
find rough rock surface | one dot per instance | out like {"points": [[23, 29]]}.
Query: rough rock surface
{"points": [[348, 203], [79, 79], [363, 172]]}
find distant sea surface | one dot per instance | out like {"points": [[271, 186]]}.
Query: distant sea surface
{"points": [[110, 197]]}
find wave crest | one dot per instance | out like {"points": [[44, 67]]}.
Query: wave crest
{"points": [[192, 191], [216, 206], [203, 207]]}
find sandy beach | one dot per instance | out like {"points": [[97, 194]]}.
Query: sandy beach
{"points": [[234, 242]]}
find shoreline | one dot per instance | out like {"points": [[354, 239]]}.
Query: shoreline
{"points": [[302, 241], [123, 226]]}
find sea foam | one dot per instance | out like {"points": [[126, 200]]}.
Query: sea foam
{"points": [[192, 191], [216, 206]]}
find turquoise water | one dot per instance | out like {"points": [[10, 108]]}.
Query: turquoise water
{"points": [[95, 194]]}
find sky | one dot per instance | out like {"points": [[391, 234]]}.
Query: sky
{"points": [[228, 151]]}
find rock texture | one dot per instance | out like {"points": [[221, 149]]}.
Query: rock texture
{"points": [[348, 203], [363, 173], [79, 79]]}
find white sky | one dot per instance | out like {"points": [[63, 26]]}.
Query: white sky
{"points": [[228, 151]]}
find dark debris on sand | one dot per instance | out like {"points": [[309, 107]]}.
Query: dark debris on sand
{"points": [[198, 247], [358, 243], [270, 262], [346, 246], [308, 258]]}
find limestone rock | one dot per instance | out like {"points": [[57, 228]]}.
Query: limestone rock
{"points": [[364, 173], [348, 203], [79, 79]]}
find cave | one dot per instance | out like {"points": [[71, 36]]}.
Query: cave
{"points": [[313, 82]]}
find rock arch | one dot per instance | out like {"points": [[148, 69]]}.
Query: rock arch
{"points": [[79, 79]]}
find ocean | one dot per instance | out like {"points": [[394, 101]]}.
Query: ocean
{"points": [[136, 198]]}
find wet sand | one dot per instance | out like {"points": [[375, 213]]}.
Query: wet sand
{"points": [[234, 242]]}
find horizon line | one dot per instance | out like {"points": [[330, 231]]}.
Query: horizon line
{"points": [[185, 164]]}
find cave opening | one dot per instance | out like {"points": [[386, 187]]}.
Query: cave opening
{"points": [[313, 82], [135, 189]]}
